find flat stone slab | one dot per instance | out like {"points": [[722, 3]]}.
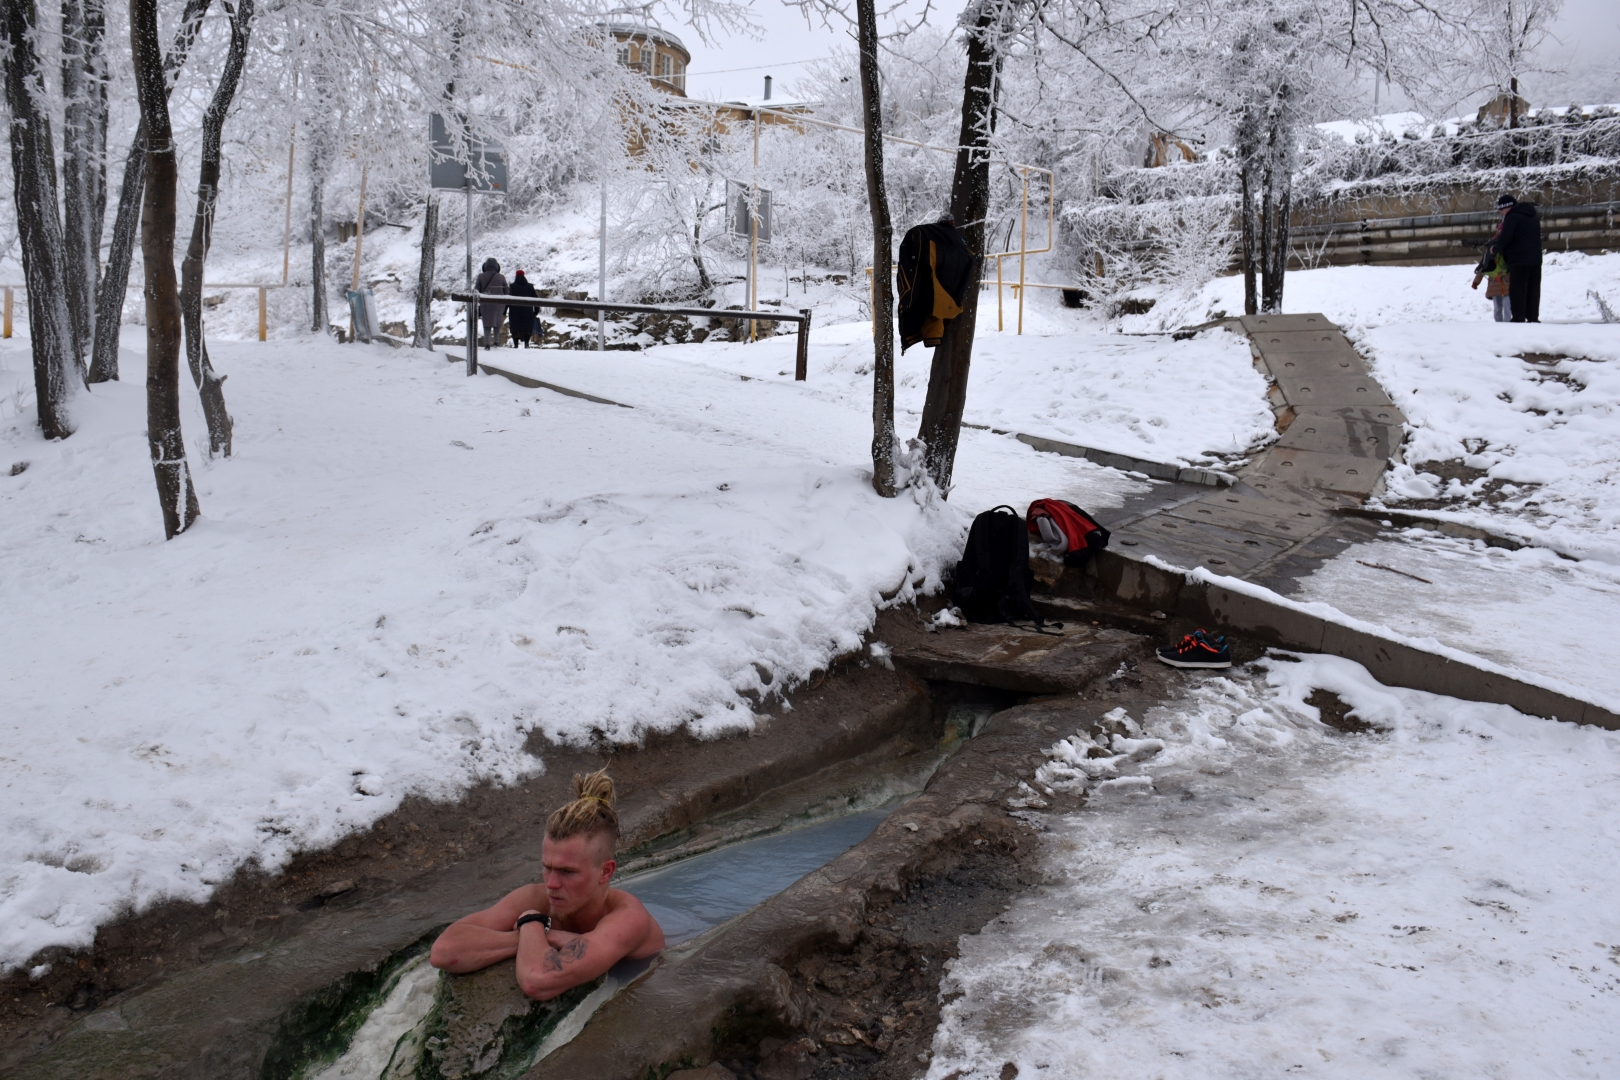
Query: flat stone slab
{"points": [[1320, 363], [1329, 391], [1287, 489], [1302, 341], [1343, 473], [1192, 543], [1010, 658], [1331, 432], [1254, 514], [1309, 321]]}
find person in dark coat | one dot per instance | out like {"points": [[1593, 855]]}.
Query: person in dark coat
{"points": [[521, 318], [491, 314], [1519, 244]]}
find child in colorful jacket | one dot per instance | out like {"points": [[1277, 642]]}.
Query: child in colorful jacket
{"points": [[1496, 288]]}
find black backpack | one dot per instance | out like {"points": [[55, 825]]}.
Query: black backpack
{"points": [[992, 581]]}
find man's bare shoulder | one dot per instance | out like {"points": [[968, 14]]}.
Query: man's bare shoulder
{"points": [[652, 939], [619, 900]]}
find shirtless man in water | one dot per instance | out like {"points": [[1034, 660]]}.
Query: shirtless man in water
{"points": [[570, 929]]}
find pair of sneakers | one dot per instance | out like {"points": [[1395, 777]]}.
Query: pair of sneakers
{"points": [[1198, 650]]}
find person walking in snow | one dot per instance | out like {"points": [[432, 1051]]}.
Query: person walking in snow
{"points": [[1519, 244], [520, 317], [491, 313]]}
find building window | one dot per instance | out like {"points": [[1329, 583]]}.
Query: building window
{"points": [[624, 55], [666, 67], [680, 76]]}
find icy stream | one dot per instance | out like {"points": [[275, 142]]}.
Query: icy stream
{"points": [[686, 897]]}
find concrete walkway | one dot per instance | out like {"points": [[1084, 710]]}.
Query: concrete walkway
{"points": [[1339, 431]]}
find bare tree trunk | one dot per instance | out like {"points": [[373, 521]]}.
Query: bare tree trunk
{"points": [[39, 229], [109, 315], [941, 425], [1248, 180], [1251, 301], [1267, 184], [1276, 200], [317, 238], [424, 273], [210, 386], [164, 331], [705, 283], [877, 201], [110, 292], [83, 170]]}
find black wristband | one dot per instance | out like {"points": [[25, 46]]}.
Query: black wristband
{"points": [[533, 916]]}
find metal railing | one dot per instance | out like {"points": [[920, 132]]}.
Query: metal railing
{"points": [[473, 299]]}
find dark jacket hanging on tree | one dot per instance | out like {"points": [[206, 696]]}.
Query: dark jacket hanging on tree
{"points": [[933, 274]]}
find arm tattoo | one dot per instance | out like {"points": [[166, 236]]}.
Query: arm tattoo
{"points": [[573, 950], [553, 961]]}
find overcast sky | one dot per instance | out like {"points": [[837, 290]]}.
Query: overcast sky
{"points": [[1589, 33]]}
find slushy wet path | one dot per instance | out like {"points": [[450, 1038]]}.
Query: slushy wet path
{"points": [[1431, 899]]}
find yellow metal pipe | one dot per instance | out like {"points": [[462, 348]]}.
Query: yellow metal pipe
{"points": [[1023, 248]]}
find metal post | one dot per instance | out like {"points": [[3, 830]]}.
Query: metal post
{"points": [[286, 227], [753, 237], [802, 365], [360, 225], [264, 298], [359, 244], [1000, 315], [472, 306], [1023, 246], [8, 311], [601, 265]]}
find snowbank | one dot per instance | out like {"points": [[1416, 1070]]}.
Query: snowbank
{"points": [[1269, 897], [1548, 433], [1510, 607], [1064, 378], [1364, 296], [402, 574]]}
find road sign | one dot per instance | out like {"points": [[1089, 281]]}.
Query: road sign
{"points": [[483, 163], [737, 200]]}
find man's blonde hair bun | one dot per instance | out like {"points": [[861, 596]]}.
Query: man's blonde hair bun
{"points": [[591, 811]]}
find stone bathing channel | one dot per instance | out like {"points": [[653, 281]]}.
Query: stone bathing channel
{"points": [[947, 733], [830, 972]]}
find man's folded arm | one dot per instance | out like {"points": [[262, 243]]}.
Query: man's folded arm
{"points": [[485, 937], [549, 963]]}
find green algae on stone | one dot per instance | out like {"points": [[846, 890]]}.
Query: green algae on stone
{"points": [[483, 1027]]}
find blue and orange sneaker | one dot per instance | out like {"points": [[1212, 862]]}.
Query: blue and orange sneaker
{"points": [[1198, 650]]}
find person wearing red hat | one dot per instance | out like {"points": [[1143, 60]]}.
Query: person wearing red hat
{"points": [[520, 317]]}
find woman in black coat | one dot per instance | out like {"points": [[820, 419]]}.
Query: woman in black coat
{"points": [[519, 316]]}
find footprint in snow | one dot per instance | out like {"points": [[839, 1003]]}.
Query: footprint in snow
{"points": [[458, 442]]}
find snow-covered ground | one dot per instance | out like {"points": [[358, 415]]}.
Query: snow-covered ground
{"points": [[1266, 896], [1528, 609], [401, 573], [1360, 296], [1148, 397], [404, 571], [1545, 430]]}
